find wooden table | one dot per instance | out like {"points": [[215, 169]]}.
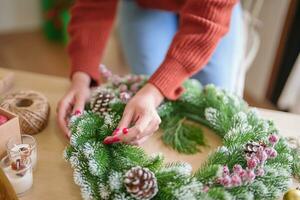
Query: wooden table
{"points": [[53, 176]]}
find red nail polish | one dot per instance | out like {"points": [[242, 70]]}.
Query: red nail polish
{"points": [[116, 139], [107, 141], [111, 140], [125, 131], [77, 112]]}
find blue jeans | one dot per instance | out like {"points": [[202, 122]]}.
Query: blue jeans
{"points": [[146, 35]]}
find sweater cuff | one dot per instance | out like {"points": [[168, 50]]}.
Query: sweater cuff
{"points": [[169, 77], [87, 64]]}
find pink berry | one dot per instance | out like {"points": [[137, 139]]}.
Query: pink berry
{"points": [[130, 79], [106, 74], [260, 172], [123, 88], [243, 174], [261, 155], [225, 170], [116, 80], [237, 169], [236, 180], [252, 163], [273, 139], [138, 79], [250, 175], [134, 87], [3, 119], [219, 180], [268, 150], [271, 152], [226, 181], [125, 96]]}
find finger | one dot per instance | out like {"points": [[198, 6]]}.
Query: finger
{"points": [[140, 141], [130, 134], [153, 126], [126, 119], [138, 130], [133, 133], [63, 108], [62, 121], [117, 134], [79, 105]]}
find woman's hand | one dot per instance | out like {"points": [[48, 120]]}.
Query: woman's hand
{"points": [[74, 100], [141, 113]]}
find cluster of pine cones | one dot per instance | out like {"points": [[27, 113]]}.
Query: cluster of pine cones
{"points": [[99, 101]]}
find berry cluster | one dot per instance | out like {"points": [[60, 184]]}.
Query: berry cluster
{"points": [[126, 88], [255, 166]]}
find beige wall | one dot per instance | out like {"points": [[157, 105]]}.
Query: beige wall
{"points": [[272, 15], [19, 15]]}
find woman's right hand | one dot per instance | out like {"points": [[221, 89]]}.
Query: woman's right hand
{"points": [[73, 101]]}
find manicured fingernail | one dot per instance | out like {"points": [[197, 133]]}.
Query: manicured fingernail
{"points": [[77, 112], [116, 131], [125, 131], [111, 140]]}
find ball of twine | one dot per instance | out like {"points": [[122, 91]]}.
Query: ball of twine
{"points": [[31, 107]]}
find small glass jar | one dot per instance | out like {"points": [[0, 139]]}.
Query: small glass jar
{"points": [[26, 147], [19, 173]]}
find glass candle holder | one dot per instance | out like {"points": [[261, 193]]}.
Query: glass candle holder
{"points": [[5, 164], [26, 147], [19, 173]]}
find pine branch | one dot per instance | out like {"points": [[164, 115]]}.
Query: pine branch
{"points": [[182, 136]]}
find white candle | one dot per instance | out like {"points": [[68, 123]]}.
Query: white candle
{"points": [[22, 182], [22, 149]]}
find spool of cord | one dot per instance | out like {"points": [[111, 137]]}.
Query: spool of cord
{"points": [[31, 107]]}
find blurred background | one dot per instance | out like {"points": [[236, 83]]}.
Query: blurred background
{"points": [[33, 38]]}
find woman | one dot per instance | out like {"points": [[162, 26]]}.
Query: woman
{"points": [[171, 40]]}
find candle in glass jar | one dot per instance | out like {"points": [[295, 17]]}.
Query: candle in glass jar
{"points": [[25, 150], [21, 182], [26, 147], [19, 173]]}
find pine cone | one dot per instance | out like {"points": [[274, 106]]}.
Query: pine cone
{"points": [[140, 183], [252, 147], [99, 101]]}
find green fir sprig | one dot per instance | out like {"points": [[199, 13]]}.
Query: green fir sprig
{"points": [[182, 136]]}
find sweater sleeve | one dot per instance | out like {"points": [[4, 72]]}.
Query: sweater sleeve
{"points": [[202, 24], [89, 28]]}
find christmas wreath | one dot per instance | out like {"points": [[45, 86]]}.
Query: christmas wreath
{"points": [[254, 162]]}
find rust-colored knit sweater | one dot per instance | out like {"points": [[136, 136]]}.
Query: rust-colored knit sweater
{"points": [[202, 24]]}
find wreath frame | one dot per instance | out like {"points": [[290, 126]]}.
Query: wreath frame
{"points": [[99, 169]]}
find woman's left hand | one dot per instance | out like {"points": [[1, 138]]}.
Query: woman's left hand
{"points": [[141, 113]]}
